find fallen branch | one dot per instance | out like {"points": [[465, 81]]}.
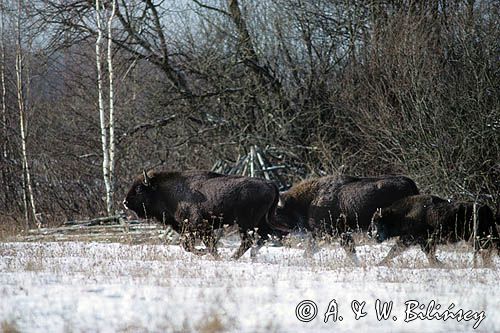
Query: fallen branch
{"points": [[96, 221]]}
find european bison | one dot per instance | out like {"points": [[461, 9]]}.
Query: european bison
{"points": [[335, 204], [319, 204], [195, 203], [427, 220]]}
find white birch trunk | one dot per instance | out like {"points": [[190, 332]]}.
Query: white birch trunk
{"points": [[102, 115], [2, 79], [111, 111], [28, 196]]}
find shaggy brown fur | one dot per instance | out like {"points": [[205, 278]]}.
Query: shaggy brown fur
{"points": [[197, 202], [428, 220], [335, 204]]}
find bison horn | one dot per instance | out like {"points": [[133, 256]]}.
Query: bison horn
{"points": [[147, 180]]}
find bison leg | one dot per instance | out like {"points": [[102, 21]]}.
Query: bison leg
{"points": [[486, 255], [210, 241], [188, 241], [258, 245], [485, 249], [311, 244], [263, 231], [246, 242], [398, 248], [429, 247], [347, 242], [255, 249]]}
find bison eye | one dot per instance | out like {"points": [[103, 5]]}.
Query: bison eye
{"points": [[139, 189]]}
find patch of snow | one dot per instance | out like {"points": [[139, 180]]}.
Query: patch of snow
{"points": [[89, 287]]}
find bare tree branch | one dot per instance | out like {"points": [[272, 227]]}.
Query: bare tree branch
{"points": [[218, 10], [147, 126]]}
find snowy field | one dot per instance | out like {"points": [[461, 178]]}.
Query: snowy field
{"points": [[98, 287]]}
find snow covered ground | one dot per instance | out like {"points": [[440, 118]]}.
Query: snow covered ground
{"points": [[98, 287]]}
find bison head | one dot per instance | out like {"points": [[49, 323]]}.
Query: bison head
{"points": [[141, 196]]}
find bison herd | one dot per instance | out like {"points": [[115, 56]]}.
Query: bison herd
{"points": [[196, 203]]}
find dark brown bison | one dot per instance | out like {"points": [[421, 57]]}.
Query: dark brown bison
{"points": [[336, 204], [195, 203], [427, 220]]}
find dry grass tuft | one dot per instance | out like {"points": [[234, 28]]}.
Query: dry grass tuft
{"points": [[9, 228], [213, 324], [9, 326]]}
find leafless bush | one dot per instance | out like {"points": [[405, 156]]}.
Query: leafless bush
{"points": [[354, 87]]}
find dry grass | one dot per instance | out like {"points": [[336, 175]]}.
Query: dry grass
{"points": [[329, 255], [212, 324], [9, 228], [219, 282], [9, 326]]}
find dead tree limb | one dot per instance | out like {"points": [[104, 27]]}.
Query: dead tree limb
{"points": [[147, 126]]}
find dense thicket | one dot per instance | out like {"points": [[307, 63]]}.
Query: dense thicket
{"points": [[362, 87]]}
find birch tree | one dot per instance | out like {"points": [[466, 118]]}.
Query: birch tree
{"points": [[28, 197], [2, 79], [106, 122], [111, 107]]}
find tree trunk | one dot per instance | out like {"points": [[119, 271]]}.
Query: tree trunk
{"points": [[102, 115], [2, 79], [5, 153], [107, 138], [250, 57], [28, 197], [111, 111]]}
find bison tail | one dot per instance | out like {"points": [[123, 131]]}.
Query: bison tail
{"points": [[276, 225], [497, 217], [414, 187]]}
